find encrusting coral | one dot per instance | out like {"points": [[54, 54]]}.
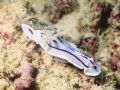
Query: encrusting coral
{"points": [[89, 43], [26, 80], [61, 8], [115, 62], [115, 17], [91, 20]]}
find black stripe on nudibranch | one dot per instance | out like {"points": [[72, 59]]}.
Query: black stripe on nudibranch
{"points": [[69, 53], [55, 41], [30, 31], [60, 39], [43, 33], [84, 56], [91, 62], [63, 41], [69, 46]]}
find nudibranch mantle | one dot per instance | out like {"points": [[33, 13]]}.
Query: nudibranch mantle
{"points": [[64, 49]]}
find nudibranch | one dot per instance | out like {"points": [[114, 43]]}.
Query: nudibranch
{"points": [[64, 49]]}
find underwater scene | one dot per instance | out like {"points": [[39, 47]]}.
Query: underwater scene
{"points": [[59, 44]]}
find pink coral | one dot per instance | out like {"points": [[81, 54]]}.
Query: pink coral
{"points": [[89, 43], [114, 46], [90, 40], [25, 81], [115, 61]]}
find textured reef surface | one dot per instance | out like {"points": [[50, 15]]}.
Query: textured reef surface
{"points": [[93, 25]]}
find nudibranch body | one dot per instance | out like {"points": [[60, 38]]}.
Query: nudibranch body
{"points": [[61, 48]]}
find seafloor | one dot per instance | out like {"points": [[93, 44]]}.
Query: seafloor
{"points": [[93, 25]]}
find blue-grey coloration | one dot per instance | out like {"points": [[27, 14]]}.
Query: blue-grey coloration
{"points": [[63, 49]]}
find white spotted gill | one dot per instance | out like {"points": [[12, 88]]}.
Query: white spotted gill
{"points": [[63, 49]]}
